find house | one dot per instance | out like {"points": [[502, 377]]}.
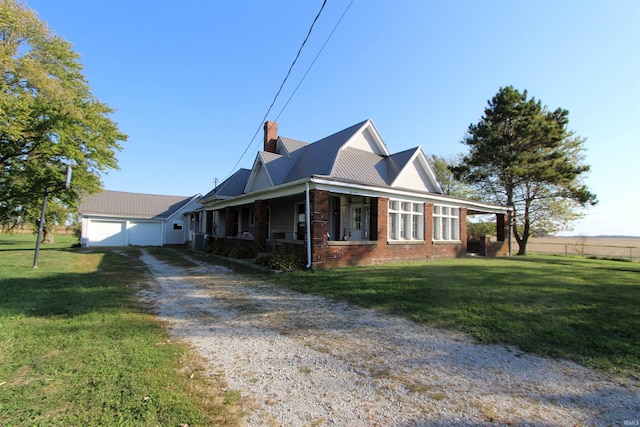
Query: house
{"points": [[115, 218], [344, 200]]}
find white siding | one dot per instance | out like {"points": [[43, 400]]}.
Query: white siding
{"points": [[261, 179], [414, 177], [364, 141], [173, 236]]}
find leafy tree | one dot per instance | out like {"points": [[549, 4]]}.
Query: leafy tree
{"points": [[522, 155], [48, 119], [450, 185]]}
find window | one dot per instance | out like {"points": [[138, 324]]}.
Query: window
{"points": [[177, 225], [446, 223], [406, 220]]}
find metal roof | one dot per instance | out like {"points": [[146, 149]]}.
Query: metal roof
{"points": [[232, 186], [318, 158], [338, 156], [132, 205]]}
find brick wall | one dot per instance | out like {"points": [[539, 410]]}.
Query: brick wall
{"points": [[330, 254]]}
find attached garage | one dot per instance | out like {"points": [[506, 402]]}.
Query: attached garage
{"points": [[145, 233], [107, 233], [113, 218]]}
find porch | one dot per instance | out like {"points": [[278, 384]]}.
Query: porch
{"points": [[330, 229]]}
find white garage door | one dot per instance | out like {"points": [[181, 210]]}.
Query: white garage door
{"points": [[107, 233], [145, 233]]}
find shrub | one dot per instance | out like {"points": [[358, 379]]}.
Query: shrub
{"points": [[283, 262], [226, 251]]}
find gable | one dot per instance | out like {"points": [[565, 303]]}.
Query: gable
{"points": [[367, 139], [259, 178], [417, 174]]}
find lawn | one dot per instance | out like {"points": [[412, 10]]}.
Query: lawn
{"points": [[77, 349], [584, 310]]}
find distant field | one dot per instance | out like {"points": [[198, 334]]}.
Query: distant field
{"points": [[613, 247]]}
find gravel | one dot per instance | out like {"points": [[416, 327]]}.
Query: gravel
{"points": [[302, 360]]}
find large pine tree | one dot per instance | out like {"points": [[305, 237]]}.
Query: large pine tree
{"points": [[522, 155]]}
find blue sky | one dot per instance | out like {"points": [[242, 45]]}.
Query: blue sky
{"points": [[192, 80]]}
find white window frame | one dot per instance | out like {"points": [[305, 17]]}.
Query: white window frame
{"points": [[405, 221], [446, 223]]}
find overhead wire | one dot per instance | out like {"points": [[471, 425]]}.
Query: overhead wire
{"points": [[281, 86], [314, 60]]}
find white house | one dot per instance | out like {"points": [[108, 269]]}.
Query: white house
{"points": [[115, 218]]}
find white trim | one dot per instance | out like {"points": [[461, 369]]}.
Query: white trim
{"points": [[348, 188], [377, 139], [426, 166]]}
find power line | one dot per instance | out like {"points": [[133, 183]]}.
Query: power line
{"points": [[314, 60], [281, 86]]}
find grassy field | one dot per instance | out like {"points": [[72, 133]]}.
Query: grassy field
{"points": [[581, 309], [77, 349], [627, 248]]}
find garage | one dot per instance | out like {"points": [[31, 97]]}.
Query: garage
{"points": [[107, 233], [116, 218], [144, 233]]}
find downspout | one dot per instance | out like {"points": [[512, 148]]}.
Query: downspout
{"points": [[308, 220]]}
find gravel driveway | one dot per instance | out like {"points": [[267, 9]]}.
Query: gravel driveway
{"points": [[301, 360]]}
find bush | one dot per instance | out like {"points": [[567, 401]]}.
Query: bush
{"points": [[226, 251], [283, 262]]}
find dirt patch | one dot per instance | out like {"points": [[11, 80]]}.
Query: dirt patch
{"points": [[301, 360]]}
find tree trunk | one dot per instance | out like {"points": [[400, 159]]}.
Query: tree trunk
{"points": [[47, 236], [522, 247], [522, 242]]}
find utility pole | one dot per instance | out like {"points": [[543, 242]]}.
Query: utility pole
{"points": [[48, 190]]}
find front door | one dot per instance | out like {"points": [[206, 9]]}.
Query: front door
{"points": [[359, 227]]}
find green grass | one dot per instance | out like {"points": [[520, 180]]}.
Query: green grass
{"points": [[584, 310], [77, 349]]}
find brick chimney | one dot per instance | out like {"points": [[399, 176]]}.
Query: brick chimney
{"points": [[270, 136]]}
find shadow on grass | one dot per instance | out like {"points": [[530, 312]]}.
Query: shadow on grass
{"points": [[68, 294]]}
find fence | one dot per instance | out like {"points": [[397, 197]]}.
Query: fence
{"points": [[618, 248]]}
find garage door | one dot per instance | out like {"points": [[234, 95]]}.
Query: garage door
{"points": [[107, 233], [145, 233]]}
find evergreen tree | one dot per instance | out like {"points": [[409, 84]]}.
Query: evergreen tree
{"points": [[522, 155]]}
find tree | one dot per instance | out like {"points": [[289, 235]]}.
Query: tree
{"points": [[450, 185], [48, 119], [522, 155]]}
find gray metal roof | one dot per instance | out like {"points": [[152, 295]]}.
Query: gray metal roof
{"points": [[232, 186], [318, 158], [326, 157], [132, 205], [361, 166]]}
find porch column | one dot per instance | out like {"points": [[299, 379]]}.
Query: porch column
{"points": [[502, 227], [382, 220], [209, 224], [374, 208], [463, 228], [319, 209], [262, 225], [228, 220], [428, 224]]}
